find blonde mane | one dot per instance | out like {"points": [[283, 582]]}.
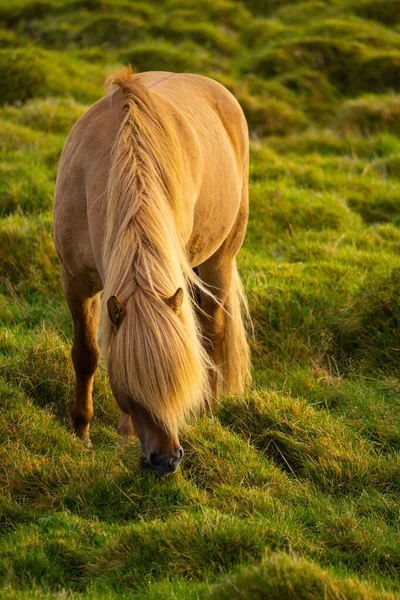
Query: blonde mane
{"points": [[157, 355]]}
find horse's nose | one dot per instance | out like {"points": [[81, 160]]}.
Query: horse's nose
{"points": [[165, 464]]}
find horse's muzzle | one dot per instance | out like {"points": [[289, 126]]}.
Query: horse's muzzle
{"points": [[165, 464]]}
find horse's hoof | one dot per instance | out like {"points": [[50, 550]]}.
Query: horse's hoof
{"points": [[85, 439], [88, 442]]}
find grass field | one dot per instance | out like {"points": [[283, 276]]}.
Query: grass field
{"points": [[292, 491]]}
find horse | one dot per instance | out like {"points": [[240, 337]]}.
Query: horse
{"points": [[151, 206]]}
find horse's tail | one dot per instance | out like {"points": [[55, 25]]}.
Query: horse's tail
{"points": [[156, 354], [236, 363]]}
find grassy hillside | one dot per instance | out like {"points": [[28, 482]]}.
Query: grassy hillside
{"points": [[293, 491]]}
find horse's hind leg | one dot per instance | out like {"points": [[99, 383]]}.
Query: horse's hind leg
{"points": [[84, 303], [219, 274], [212, 317]]}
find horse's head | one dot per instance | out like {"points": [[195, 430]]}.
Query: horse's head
{"points": [[156, 370], [162, 450]]}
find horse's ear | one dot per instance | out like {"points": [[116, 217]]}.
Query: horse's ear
{"points": [[116, 310], [175, 302]]}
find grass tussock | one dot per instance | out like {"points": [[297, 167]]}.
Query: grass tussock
{"points": [[369, 114], [206, 539], [30, 72], [53, 115], [187, 58], [28, 258], [370, 326], [283, 576], [320, 449], [383, 11]]}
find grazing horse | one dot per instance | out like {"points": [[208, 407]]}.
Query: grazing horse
{"points": [[151, 207]]}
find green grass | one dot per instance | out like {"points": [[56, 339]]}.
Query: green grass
{"points": [[293, 490]]}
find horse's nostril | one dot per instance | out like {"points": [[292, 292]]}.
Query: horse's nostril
{"points": [[153, 458], [180, 451]]}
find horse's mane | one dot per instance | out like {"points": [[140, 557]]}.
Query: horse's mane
{"points": [[157, 355]]}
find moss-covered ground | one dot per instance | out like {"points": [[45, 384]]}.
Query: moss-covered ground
{"points": [[294, 490]]}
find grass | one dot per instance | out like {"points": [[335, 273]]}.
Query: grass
{"points": [[291, 491]]}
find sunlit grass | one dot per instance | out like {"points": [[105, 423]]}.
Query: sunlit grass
{"points": [[291, 491]]}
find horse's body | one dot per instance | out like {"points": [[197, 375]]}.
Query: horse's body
{"points": [[152, 182]]}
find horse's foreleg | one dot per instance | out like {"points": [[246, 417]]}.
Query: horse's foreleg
{"points": [[85, 309]]}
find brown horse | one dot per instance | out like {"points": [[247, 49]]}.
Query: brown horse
{"points": [[151, 205]]}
